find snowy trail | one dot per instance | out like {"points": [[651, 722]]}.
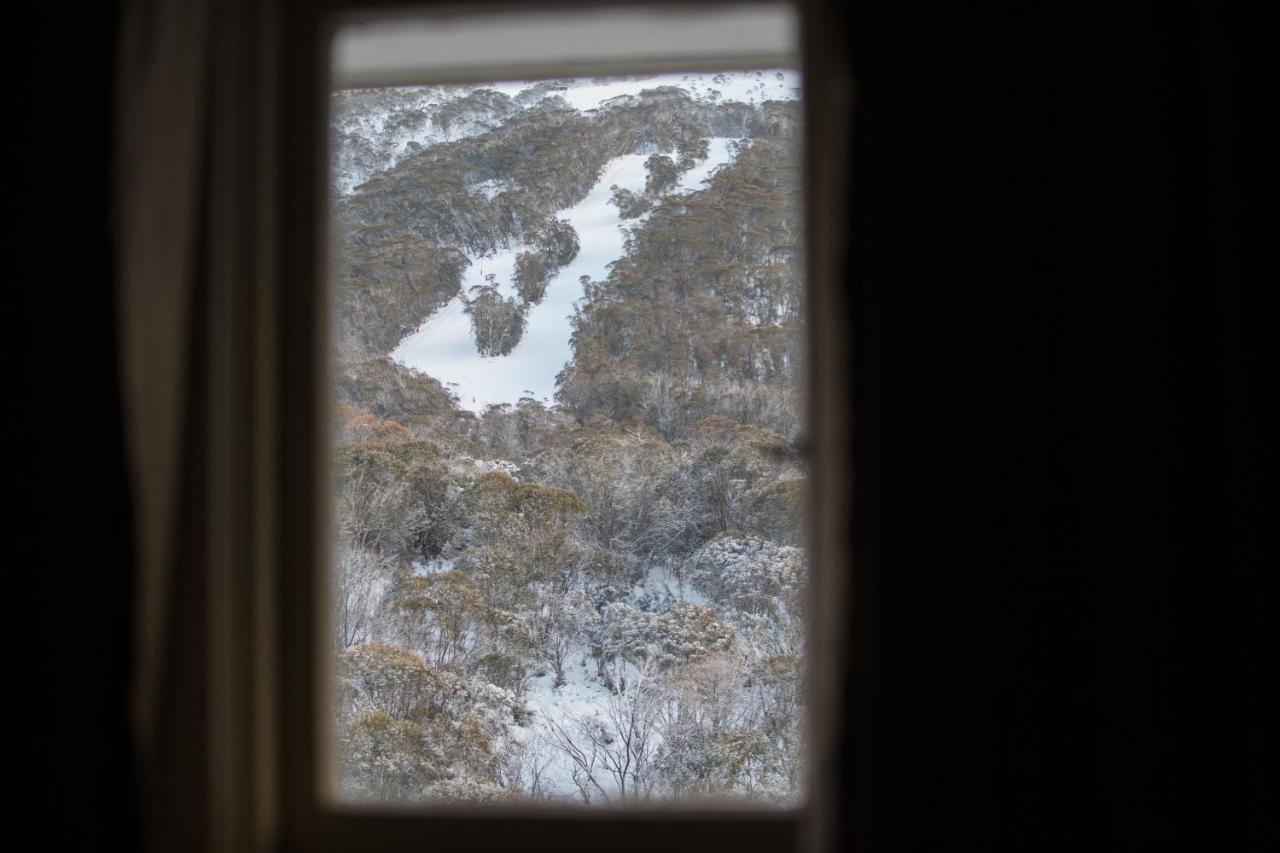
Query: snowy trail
{"points": [[443, 347]]}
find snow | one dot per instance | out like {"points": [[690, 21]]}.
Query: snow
{"points": [[719, 152], [661, 581], [422, 568], [581, 697]]}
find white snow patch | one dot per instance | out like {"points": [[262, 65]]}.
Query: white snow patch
{"points": [[662, 582], [422, 568], [581, 697], [719, 152]]}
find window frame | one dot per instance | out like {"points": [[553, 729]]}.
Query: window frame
{"points": [[291, 322]]}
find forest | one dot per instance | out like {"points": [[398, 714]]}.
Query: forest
{"points": [[599, 598]]}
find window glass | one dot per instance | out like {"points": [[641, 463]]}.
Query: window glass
{"points": [[568, 381]]}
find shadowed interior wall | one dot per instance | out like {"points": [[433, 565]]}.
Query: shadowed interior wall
{"points": [[1062, 427]]}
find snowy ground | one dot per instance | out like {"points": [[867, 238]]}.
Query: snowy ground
{"points": [[583, 696]]}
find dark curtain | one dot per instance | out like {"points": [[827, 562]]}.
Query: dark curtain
{"points": [[110, 410]]}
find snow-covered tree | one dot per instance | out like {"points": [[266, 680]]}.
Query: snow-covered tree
{"points": [[662, 174], [359, 576], [497, 321], [749, 574]]}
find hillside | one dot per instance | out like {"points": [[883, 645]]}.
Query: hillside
{"points": [[568, 369]]}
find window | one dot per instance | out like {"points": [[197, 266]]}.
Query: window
{"points": [[465, 323]]}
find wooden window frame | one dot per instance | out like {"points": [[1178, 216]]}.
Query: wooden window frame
{"points": [[276, 748]]}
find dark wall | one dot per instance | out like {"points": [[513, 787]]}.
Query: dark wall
{"points": [[1061, 527]]}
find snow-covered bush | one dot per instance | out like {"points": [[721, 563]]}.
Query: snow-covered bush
{"points": [[749, 574], [683, 633], [383, 758]]}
